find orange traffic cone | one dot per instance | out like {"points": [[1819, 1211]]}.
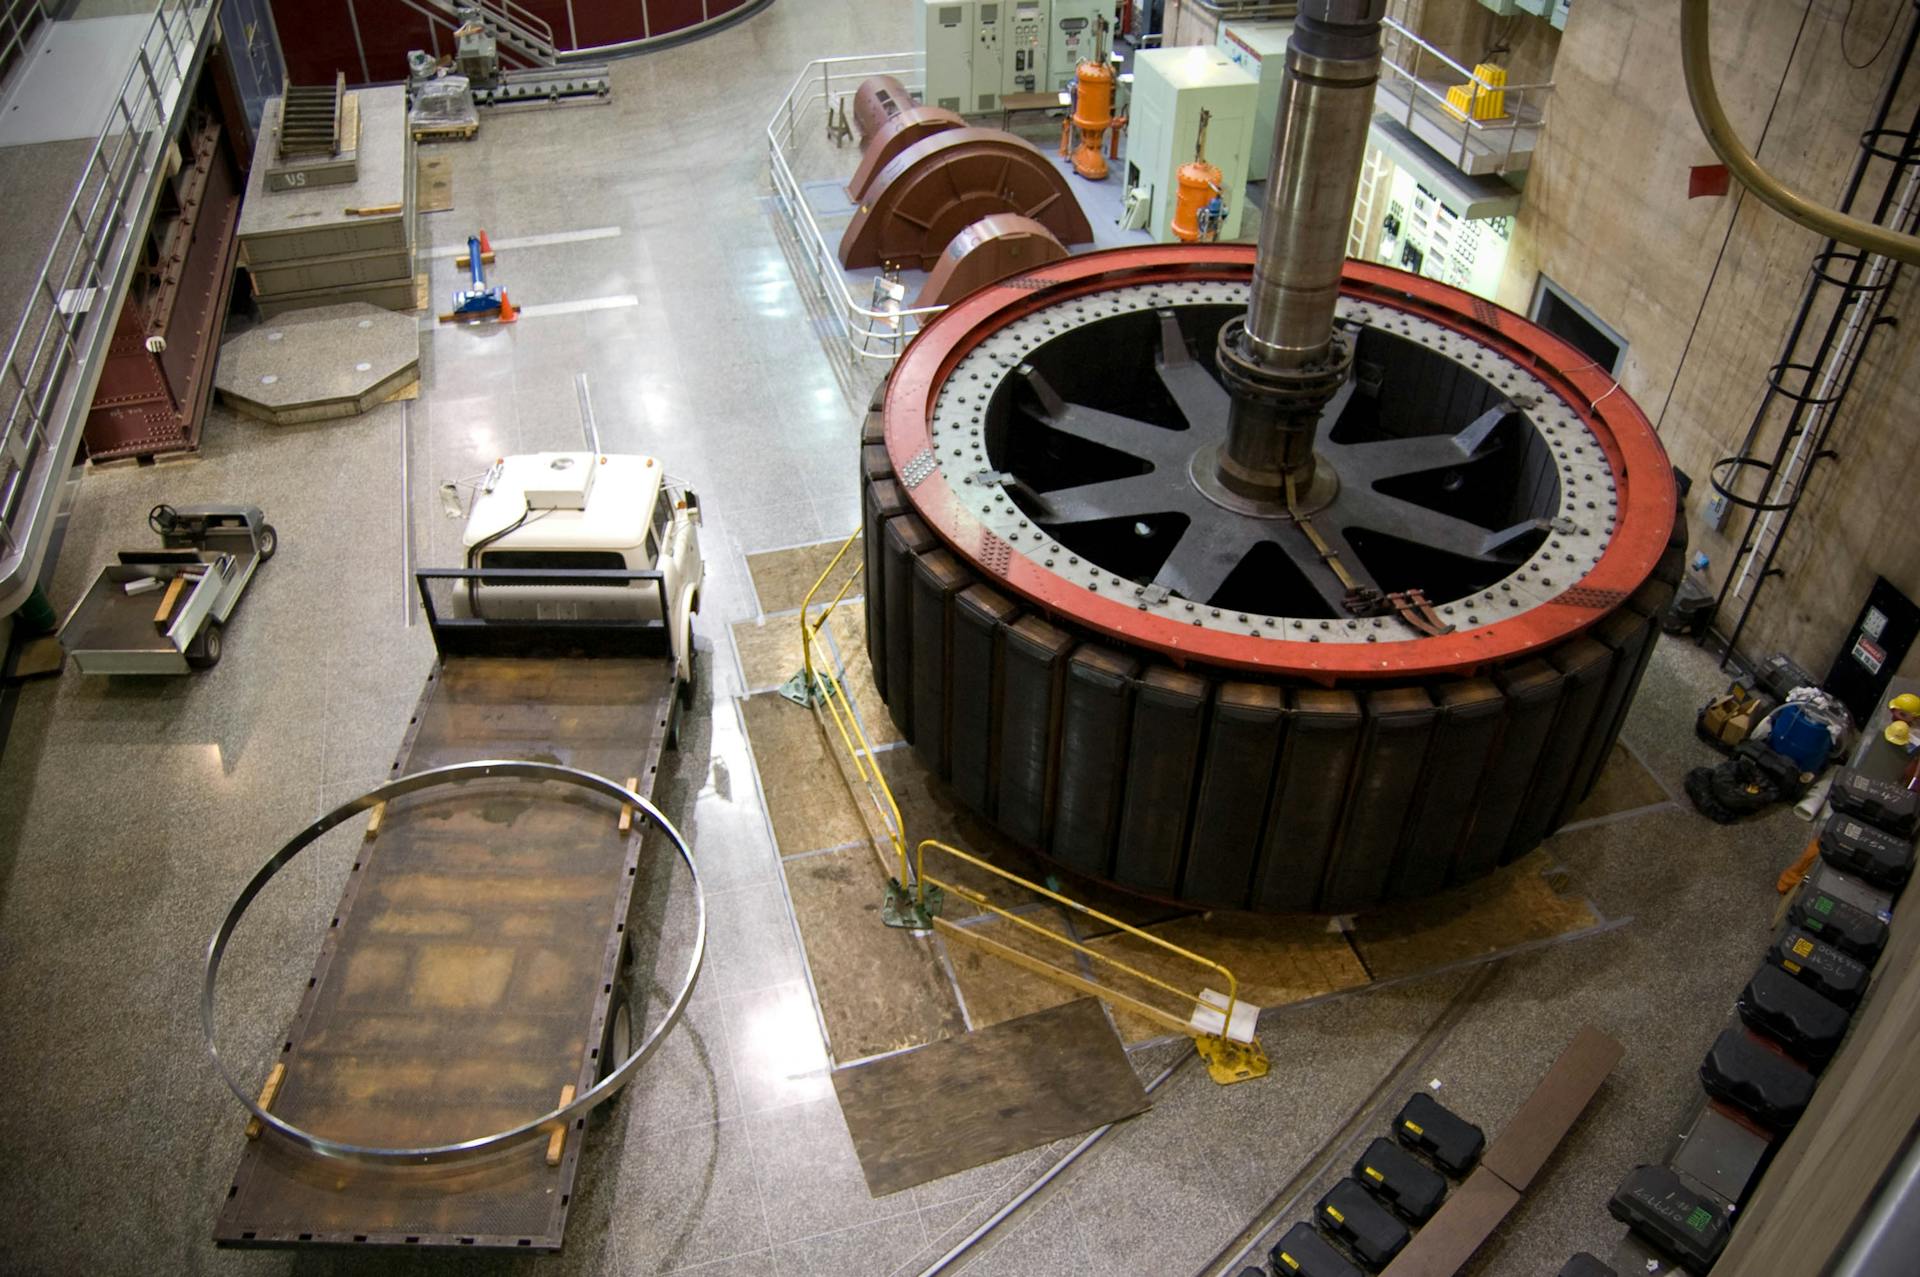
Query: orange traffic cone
{"points": [[507, 313]]}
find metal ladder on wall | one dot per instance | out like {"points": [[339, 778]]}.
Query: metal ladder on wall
{"points": [[1841, 308], [1365, 216], [523, 36]]}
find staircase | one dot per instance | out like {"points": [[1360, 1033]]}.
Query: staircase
{"points": [[523, 37]]}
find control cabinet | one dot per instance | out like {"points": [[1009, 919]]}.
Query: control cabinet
{"points": [[1260, 49], [1071, 30], [964, 47], [1170, 89]]}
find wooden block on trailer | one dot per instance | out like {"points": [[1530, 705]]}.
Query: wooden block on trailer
{"points": [[557, 1141], [626, 809], [373, 821], [268, 1094]]}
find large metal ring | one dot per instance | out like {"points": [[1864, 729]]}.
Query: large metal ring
{"points": [[466, 1150]]}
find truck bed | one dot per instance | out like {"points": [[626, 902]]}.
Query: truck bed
{"points": [[470, 970]]}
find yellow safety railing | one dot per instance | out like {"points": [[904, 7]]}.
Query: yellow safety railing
{"points": [[916, 897], [822, 689], [1228, 1060]]}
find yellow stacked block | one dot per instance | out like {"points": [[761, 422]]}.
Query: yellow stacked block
{"points": [[1490, 105]]}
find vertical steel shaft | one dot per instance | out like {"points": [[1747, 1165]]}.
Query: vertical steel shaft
{"points": [[1319, 147], [1283, 363]]}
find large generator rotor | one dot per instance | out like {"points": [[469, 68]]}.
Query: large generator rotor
{"points": [[1230, 725], [1263, 580]]}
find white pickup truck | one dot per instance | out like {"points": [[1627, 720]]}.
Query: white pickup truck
{"points": [[575, 511]]}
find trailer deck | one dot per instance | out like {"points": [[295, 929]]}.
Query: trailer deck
{"points": [[475, 962]]}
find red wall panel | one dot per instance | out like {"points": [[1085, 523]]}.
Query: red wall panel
{"points": [[318, 39]]}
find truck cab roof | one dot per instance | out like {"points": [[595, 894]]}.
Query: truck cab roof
{"points": [[565, 501]]}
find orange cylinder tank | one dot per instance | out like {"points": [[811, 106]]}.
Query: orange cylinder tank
{"points": [[1092, 115], [1198, 182]]}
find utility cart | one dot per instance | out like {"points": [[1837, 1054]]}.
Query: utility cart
{"points": [[163, 611]]}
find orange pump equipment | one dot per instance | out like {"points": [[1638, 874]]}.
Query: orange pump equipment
{"points": [[1198, 208], [1093, 109]]}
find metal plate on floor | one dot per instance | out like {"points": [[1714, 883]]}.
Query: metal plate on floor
{"points": [[970, 1100]]}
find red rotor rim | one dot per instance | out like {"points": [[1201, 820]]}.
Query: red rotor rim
{"points": [[1643, 477]]}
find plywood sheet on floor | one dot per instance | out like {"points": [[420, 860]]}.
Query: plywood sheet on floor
{"points": [[1624, 785], [781, 578], [809, 804], [996, 990], [770, 651], [435, 186], [998, 1091], [1513, 906], [880, 989], [1276, 961]]}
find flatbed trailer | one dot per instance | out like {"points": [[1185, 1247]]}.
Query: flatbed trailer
{"points": [[474, 974]]}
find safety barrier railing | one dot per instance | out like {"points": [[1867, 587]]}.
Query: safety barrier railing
{"points": [[1407, 65], [819, 688], [70, 307], [875, 333], [1231, 1051], [916, 898], [18, 19]]}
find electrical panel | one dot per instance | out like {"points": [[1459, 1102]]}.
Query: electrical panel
{"points": [[1023, 50], [1422, 234], [980, 50], [1071, 37], [950, 29], [1171, 87]]}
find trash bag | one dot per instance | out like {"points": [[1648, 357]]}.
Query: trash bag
{"points": [[1752, 780]]}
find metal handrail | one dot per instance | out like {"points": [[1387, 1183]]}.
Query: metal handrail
{"points": [[852, 734], [22, 17], [1526, 103], [83, 288], [872, 334], [443, 13], [1159, 1015]]}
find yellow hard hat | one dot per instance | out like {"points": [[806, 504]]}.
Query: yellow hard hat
{"points": [[1898, 733], [1906, 703]]}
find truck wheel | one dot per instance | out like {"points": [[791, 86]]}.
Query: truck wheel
{"points": [[686, 684], [616, 1041], [269, 541], [204, 652]]}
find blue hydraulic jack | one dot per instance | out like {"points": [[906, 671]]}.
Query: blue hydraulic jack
{"points": [[482, 300]]}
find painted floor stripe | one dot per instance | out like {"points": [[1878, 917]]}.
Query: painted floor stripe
{"points": [[533, 241]]}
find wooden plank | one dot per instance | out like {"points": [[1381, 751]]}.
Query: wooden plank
{"points": [[167, 600], [1529, 1139], [557, 1140], [970, 1100], [1445, 1243], [267, 1095]]}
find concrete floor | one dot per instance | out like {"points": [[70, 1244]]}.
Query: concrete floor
{"points": [[131, 813]]}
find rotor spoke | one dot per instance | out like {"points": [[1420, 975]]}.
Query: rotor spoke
{"points": [[1389, 458], [1107, 429], [1199, 397], [1363, 507], [1140, 494], [1200, 564]]}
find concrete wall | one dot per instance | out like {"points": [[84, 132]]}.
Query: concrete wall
{"points": [[1607, 217]]}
